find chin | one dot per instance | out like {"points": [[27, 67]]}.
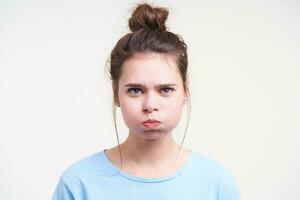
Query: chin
{"points": [[152, 138], [153, 134]]}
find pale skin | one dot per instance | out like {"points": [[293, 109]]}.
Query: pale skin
{"points": [[150, 152]]}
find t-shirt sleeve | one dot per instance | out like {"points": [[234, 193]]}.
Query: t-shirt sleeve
{"points": [[62, 191], [228, 188]]}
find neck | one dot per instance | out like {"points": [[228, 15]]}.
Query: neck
{"points": [[139, 151]]}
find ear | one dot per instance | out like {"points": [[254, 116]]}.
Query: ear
{"points": [[115, 94], [187, 91]]}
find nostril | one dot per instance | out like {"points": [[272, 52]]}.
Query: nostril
{"points": [[150, 110]]}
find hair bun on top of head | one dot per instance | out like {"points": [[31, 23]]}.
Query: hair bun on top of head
{"points": [[146, 17]]}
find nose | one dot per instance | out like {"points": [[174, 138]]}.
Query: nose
{"points": [[150, 103]]}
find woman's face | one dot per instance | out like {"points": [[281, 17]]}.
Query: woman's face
{"points": [[150, 87]]}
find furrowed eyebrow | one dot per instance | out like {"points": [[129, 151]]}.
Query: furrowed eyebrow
{"points": [[141, 85]]}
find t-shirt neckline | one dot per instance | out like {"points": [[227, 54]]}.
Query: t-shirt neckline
{"points": [[143, 179]]}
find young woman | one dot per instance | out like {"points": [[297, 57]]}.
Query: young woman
{"points": [[148, 68]]}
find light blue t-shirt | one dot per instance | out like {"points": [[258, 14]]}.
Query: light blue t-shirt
{"points": [[96, 178]]}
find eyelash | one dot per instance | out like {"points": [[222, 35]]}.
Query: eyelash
{"points": [[132, 89]]}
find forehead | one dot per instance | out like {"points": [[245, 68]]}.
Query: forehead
{"points": [[149, 69]]}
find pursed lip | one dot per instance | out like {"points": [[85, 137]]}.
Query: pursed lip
{"points": [[151, 121]]}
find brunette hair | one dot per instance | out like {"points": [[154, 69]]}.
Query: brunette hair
{"points": [[148, 34]]}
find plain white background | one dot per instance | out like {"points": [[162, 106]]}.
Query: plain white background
{"points": [[55, 95]]}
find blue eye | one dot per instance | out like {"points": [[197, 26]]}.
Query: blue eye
{"points": [[136, 91], [167, 90], [133, 90]]}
